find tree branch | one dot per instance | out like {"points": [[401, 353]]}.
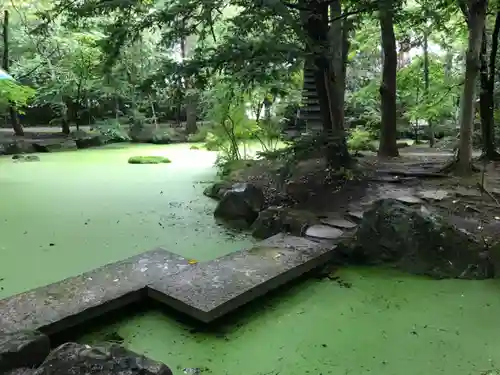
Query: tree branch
{"points": [[351, 13], [465, 9], [297, 7]]}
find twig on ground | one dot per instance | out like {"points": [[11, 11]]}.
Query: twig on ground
{"points": [[483, 189]]}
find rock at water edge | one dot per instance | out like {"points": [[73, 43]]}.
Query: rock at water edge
{"points": [[410, 199], [72, 358], [274, 220], [22, 349], [323, 232], [217, 189], [21, 371], [339, 223], [240, 206], [419, 242]]}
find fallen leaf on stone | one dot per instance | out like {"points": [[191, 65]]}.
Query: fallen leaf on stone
{"points": [[192, 261]]}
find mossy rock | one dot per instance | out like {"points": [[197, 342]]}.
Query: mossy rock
{"points": [[148, 160], [418, 241]]}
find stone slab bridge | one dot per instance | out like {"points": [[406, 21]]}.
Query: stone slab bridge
{"points": [[205, 291]]}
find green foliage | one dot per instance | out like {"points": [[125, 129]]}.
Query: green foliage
{"points": [[360, 139], [201, 134], [148, 160], [112, 129], [225, 109], [12, 92]]}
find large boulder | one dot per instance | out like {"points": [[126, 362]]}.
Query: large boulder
{"points": [[48, 145], [86, 140], [147, 134], [16, 147], [240, 206], [21, 371], [494, 258], [22, 349], [276, 219], [419, 242], [217, 189], [72, 358], [170, 135]]}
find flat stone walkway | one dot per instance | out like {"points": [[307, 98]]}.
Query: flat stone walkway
{"points": [[61, 305], [204, 291], [209, 290]]}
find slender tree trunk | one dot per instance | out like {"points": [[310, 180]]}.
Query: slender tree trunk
{"points": [[388, 131], [191, 113], [191, 98], [65, 128], [427, 84], [487, 105], [14, 118], [347, 26], [336, 41], [476, 21], [316, 26]]}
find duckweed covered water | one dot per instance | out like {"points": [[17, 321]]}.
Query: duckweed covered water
{"points": [[386, 323], [72, 212]]}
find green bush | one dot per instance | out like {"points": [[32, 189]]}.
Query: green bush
{"points": [[201, 134], [112, 129], [148, 160], [360, 139]]}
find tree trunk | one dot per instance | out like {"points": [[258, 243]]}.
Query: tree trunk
{"points": [[14, 118], [476, 21], [191, 113], [486, 95], [190, 97], [335, 41], [426, 85], [388, 131], [316, 27]]}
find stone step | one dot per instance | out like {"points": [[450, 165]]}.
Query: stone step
{"points": [[312, 118], [309, 78], [339, 223], [310, 95], [309, 86], [310, 101], [325, 232], [62, 305], [355, 215], [310, 109], [204, 291], [210, 290], [410, 200]]}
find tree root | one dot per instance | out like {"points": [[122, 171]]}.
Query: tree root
{"points": [[482, 189], [451, 167], [490, 156]]}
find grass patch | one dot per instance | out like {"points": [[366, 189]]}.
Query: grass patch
{"points": [[148, 160]]}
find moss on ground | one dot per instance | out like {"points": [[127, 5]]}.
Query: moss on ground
{"points": [[148, 160]]}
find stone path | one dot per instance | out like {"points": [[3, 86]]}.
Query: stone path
{"points": [[59, 306], [204, 291], [209, 290]]}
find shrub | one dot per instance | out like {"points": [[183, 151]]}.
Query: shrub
{"points": [[112, 129], [201, 134], [360, 139], [148, 160]]}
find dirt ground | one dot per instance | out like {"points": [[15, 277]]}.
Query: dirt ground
{"points": [[472, 204]]}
